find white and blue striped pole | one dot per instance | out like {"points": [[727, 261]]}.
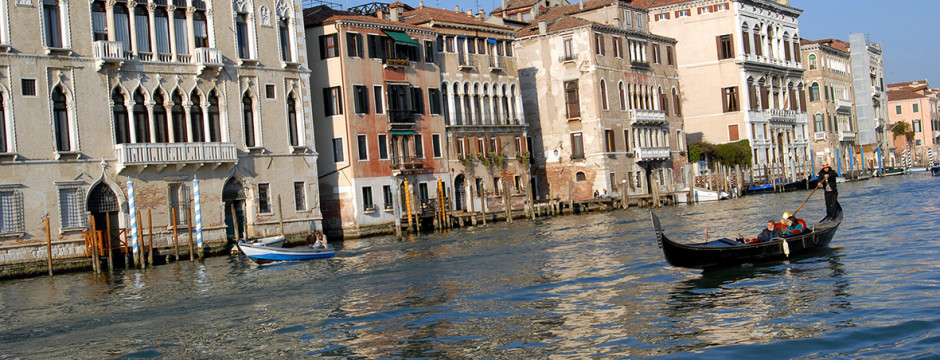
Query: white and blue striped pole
{"points": [[132, 208], [198, 215]]}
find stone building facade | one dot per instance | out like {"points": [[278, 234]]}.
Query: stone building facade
{"points": [[601, 93], [830, 103], [96, 94]]}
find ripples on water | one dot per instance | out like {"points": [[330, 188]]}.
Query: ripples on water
{"points": [[567, 287]]}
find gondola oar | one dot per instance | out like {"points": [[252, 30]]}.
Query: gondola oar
{"points": [[804, 201]]}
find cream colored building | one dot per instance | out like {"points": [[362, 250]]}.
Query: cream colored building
{"points": [[831, 100], [601, 94], [487, 145], [742, 77], [96, 94]]}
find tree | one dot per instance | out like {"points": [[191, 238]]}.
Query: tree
{"points": [[736, 153]]}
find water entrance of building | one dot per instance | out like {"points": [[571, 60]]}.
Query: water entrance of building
{"points": [[105, 209], [233, 198], [460, 192]]}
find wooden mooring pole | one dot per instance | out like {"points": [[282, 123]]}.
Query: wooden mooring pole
{"points": [[94, 244], [176, 243], [48, 245], [150, 237]]}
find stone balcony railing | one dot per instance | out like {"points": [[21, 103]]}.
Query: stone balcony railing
{"points": [[781, 115], [819, 135], [175, 154], [114, 52], [843, 106], [651, 153], [846, 135], [647, 117]]}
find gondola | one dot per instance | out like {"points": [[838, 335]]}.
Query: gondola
{"points": [[781, 187], [728, 252]]}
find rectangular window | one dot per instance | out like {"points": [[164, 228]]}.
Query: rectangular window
{"points": [[387, 196], [417, 100], [328, 46], [28, 87], [618, 46], [609, 141], [423, 192], [264, 199], [338, 150], [179, 199], [626, 140], [419, 146], [733, 133], [269, 91], [367, 203], [656, 54], [72, 207], [577, 146], [896, 108], [481, 146], [670, 58], [599, 44], [916, 108], [434, 99], [354, 44], [52, 23], [332, 101], [436, 145], [449, 44], [377, 92], [917, 128], [461, 148], [361, 95], [496, 184], [363, 147], [383, 147], [508, 51], [729, 99], [683, 13], [573, 104], [300, 196], [725, 47], [569, 50], [639, 21], [429, 51], [11, 212], [518, 144], [662, 16]]}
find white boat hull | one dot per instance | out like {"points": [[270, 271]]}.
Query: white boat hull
{"points": [[701, 195]]}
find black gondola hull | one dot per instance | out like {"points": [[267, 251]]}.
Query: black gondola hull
{"points": [[701, 256]]}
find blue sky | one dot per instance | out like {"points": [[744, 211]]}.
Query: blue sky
{"points": [[907, 30]]}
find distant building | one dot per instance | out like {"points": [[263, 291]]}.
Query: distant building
{"points": [[915, 104], [518, 13], [868, 75], [379, 119], [742, 77], [486, 138], [831, 104], [99, 93], [601, 94]]}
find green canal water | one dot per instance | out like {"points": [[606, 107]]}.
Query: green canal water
{"points": [[569, 287]]}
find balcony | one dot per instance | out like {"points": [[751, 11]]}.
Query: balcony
{"points": [[647, 117], [162, 155], [781, 115], [567, 58], [846, 135], [207, 58], [396, 63], [650, 153], [108, 52], [640, 64], [819, 135], [464, 62], [497, 64], [876, 92], [760, 141], [843, 106], [407, 164]]}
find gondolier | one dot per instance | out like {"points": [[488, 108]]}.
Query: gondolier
{"points": [[827, 180]]}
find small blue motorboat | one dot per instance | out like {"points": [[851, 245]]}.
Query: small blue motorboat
{"points": [[935, 171], [266, 254]]}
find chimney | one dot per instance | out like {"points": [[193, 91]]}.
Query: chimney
{"points": [[420, 4], [470, 12], [543, 27], [394, 12], [504, 8], [457, 8], [482, 14], [580, 4]]}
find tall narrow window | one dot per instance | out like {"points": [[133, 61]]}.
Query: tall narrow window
{"points": [[122, 27], [623, 97], [300, 196], [387, 196], [338, 150], [181, 32], [141, 118], [52, 23], [179, 200], [609, 141], [434, 99], [328, 46], [248, 118], [161, 25], [215, 121], [178, 118], [730, 99], [332, 101], [733, 133], [122, 132], [725, 48], [573, 105], [354, 45], [383, 147], [200, 29], [363, 147], [160, 124], [568, 49], [677, 108], [292, 121], [3, 126], [196, 118], [241, 33], [814, 92], [377, 92], [142, 30], [419, 146], [284, 34], [604, 95], [264, 199], [361, 99], [367, 203], [99, 21], [577, 146], [71, 207]]}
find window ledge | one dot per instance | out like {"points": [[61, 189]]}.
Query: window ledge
{"points": [[59, 155], [389, 209], [248, 62], [299, 148], [5, 47], [256, 149], [9, 156], [290, 65], [58, 51], [12, 235], [63, 231], [575, 119]]}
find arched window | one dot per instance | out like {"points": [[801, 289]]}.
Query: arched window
{"points": [[215, 122], [814, 92], [60, 119], [141, 120], [241, 33], [122, 128], [248, 117], [604, 95], [818, 124], [623, 96], [812, 61], [178, 118], [573, 105], [677, 107], [196, 118], [292, 121], [160, 124], [487, 114], [284, 32], [579, 176]]}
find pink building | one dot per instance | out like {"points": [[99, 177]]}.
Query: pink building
{"points": [[915, 104]]}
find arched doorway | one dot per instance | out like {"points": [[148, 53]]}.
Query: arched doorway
{"points": [[460, 192], [105, 209], [233, 198]]}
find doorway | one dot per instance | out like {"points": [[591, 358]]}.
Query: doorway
{"points": [[105, 210], [233, 199], [460, 192]]}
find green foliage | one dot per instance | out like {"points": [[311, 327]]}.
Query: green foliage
{"points": [[736, 153]]}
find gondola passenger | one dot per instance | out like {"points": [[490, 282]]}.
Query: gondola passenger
{"points": [[770, 232], [793, 226]]}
